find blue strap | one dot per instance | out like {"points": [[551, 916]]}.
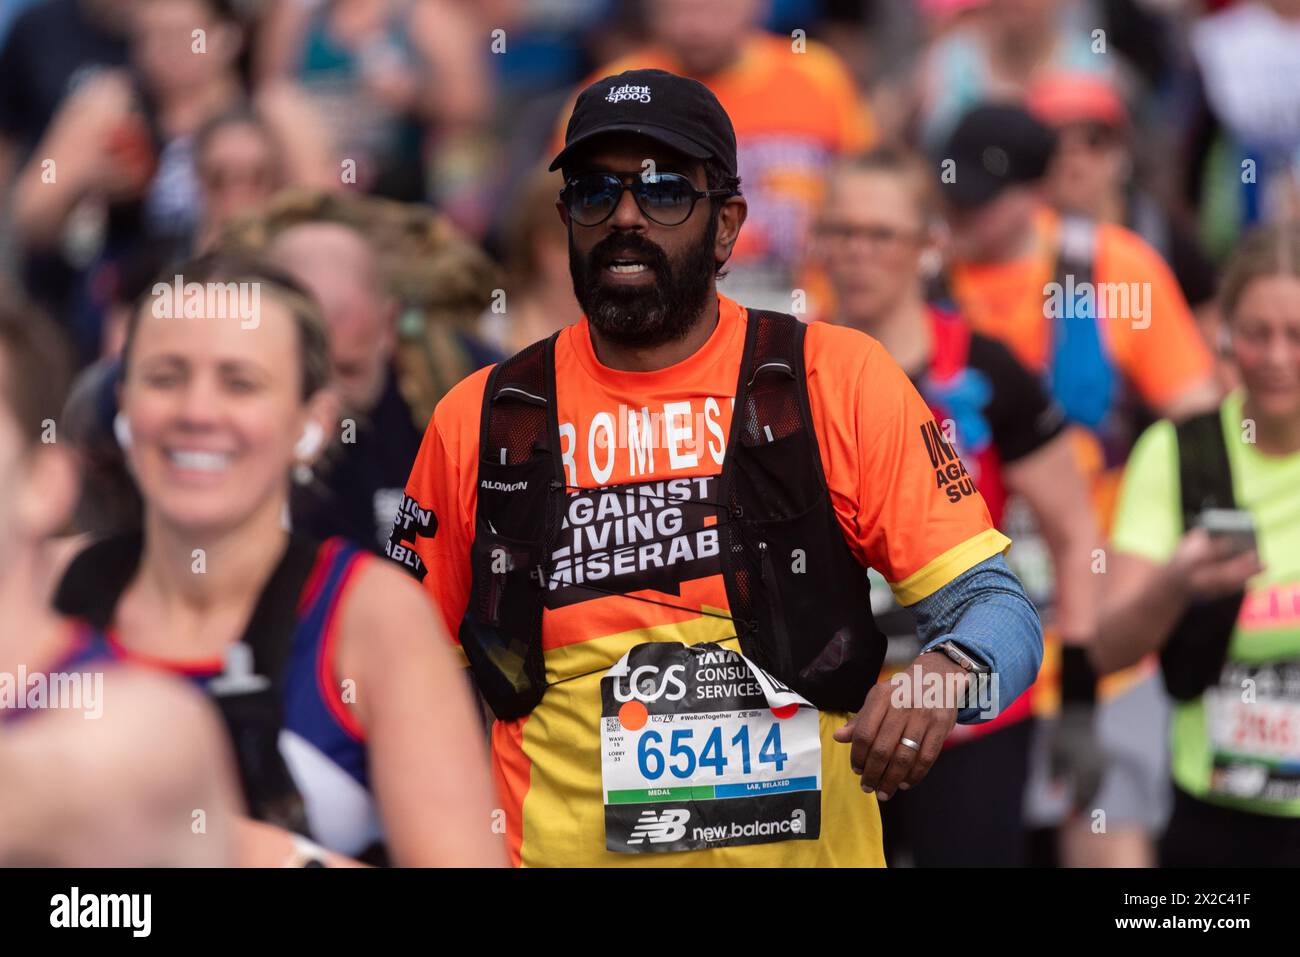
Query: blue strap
{"points": [[964, 397], [1082, 377]]}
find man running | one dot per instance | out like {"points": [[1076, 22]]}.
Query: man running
{"points": [[665, 603]]}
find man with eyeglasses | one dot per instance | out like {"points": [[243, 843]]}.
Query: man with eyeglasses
{"points": [[650, 533], [795, 108]]}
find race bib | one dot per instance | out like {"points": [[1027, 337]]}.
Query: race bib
{"points": [[700, 748], [1253, 723]]}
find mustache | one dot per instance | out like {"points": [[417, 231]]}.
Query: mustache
{"points": [[616, 247]]}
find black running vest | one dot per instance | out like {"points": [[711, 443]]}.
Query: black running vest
{"points": [[797, 595]]}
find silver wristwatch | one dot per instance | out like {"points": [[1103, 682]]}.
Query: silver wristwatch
{"points": [[963, 660]]}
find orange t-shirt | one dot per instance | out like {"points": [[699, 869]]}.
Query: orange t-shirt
{"points": [[870, 424], [1160, 355], [794, 113]]}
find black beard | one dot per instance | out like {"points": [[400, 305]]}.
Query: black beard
{"points": [[650, 316]]}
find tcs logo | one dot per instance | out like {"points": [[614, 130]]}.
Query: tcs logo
{"points": [[647, 684]]}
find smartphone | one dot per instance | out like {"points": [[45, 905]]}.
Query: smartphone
{"points": [[1232, 525]]}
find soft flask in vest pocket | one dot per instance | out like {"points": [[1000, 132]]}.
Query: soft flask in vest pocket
{"points": [[801, 595], [519, 481], [504, 616]]}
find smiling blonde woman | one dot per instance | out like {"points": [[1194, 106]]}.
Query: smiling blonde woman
{"points": [[350, 722]]}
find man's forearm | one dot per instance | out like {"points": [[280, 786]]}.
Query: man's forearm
{"points": [[1070, 543], [985, 610]]}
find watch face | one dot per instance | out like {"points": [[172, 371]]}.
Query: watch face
{"points": [[960, 657]]}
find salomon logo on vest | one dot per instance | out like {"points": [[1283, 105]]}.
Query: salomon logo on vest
{"points": [[503, 486], [949, 474], [662, 828]]}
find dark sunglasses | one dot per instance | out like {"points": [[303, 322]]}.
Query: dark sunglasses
{"points": [[665, 198]]}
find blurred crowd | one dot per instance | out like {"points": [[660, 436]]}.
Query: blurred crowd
{"points": [[132, 134], [389, 156]]}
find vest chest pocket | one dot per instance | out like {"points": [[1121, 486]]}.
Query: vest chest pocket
{"points": [[790, 557], [509, 561], [504, 613]]}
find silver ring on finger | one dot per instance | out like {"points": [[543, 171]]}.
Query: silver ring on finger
{"points": [[910, 743]]}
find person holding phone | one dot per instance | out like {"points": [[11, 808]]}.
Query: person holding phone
{"points": [[1205, 567]]}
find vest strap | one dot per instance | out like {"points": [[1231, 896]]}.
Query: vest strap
{"points": [[93, 585], [1194, 654]]}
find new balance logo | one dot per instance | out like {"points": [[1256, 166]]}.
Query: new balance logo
{"points": [[662, 827], [949, 473]]}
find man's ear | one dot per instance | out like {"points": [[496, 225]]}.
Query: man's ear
{"points": [[730, 218], [563, 211]]}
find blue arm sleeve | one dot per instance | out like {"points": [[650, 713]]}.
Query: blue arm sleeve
{"points": [[985, 610]]}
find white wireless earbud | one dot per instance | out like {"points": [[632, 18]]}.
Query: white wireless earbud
{"points": [[122, 430], [310, 442], [930, 263]]}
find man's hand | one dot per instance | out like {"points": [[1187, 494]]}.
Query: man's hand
{"points": [[877, 731]]}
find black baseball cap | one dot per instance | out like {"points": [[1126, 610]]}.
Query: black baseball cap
{"points": [[995, 146], [676, 111]]}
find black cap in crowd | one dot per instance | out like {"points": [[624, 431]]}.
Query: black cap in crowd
{"points": [[995, 145], [678, 112]]}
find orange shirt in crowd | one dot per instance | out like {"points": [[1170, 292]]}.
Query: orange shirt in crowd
{"points": [[793, 112], [1160, 358], [869, 421]]}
